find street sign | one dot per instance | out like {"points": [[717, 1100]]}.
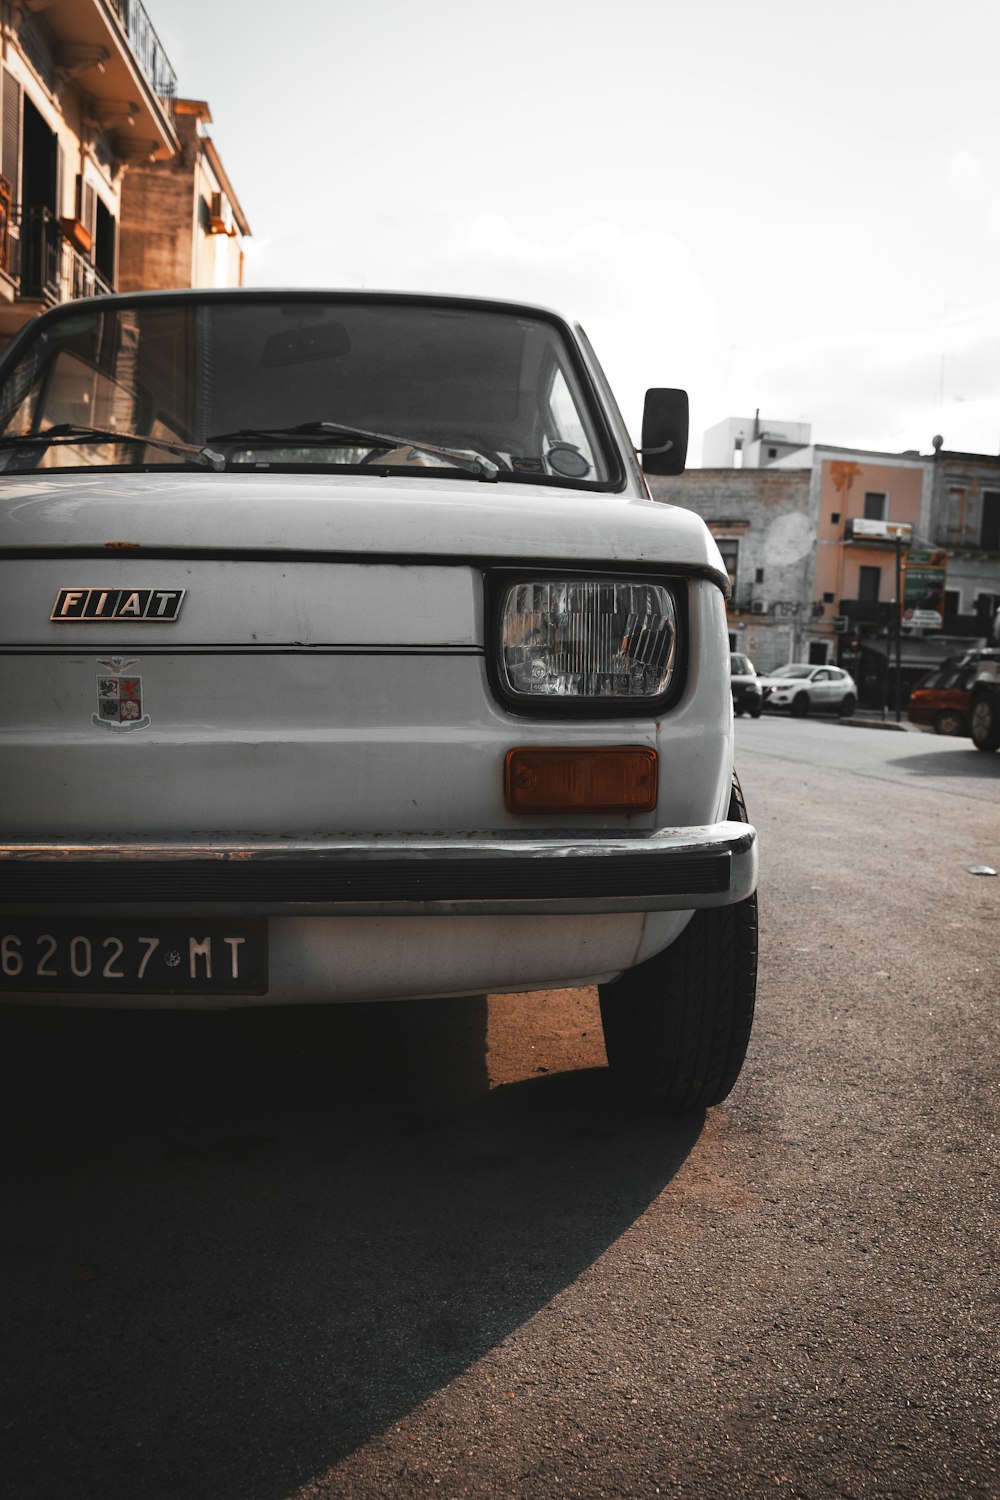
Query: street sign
{"points": [[924, 575]]}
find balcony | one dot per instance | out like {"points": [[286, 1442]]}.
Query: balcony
{"points": [[44, 265], [147, 47], [967, 627], [878, 613], [110, 51]]}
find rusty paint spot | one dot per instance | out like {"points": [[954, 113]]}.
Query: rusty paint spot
{"points": [[122, 545]]}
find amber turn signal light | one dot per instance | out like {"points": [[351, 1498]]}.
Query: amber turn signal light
{"points": [[617, 778]]}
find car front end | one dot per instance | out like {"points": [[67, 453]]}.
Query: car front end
{"points": [[309, 710]]}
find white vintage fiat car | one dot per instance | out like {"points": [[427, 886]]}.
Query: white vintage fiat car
{"points": [[345, 656]]}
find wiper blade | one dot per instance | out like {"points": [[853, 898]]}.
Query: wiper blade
{"points": [[477, 464], [72, 432]]}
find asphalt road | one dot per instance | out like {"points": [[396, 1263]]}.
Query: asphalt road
{"points": [[414, 1251]]}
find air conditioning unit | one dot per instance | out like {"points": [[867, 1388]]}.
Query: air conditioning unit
{"points": [[220, 215], [758, 607]]}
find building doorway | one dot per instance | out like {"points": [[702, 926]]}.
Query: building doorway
{"points": [[40, 239], [869, 583]]}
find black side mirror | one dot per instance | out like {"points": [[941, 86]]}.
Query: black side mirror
{"points": [[664, 431]]}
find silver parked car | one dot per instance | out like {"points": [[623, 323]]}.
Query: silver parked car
{"points": [[347, 657], [803, 688]]}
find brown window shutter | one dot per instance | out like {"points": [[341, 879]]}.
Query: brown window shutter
{"points": [[10, 146]]}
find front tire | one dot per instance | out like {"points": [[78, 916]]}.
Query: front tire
{"points": [[984, 722], [847, 705], [800, 705], [676, 1028], [949, 721]]}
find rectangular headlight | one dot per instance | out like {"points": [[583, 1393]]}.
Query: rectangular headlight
{"points": [[596, 640]]}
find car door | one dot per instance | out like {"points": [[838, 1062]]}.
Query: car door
{"points": [[821, 688]]}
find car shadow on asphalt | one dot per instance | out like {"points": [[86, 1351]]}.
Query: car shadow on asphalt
{"points": [[964, 760], [239, 1245]]}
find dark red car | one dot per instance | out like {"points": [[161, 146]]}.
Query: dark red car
{"points": [[941, 699]]}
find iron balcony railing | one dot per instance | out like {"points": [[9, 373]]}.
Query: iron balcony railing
{"points": [[45, 266], [878, 612], [147, 47]]}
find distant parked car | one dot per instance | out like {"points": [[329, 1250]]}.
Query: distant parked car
{"points": [[984, 702], [942, 700], [748, 695], [804, 688]]}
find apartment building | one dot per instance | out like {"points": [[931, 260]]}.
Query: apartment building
{"points": [[87, 97], [833, 552], [182, 223]]}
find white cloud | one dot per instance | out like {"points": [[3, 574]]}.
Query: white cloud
{"points": [[964, 172]]}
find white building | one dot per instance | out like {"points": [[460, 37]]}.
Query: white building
{"points": [[752, 442]]}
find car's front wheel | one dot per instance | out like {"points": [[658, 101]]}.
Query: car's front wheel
{"points": [[847, 705], [676, 1028], [800, 705], [984, 722], [949, 721]]}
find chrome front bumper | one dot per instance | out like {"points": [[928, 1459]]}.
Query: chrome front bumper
{"points": [[674, 869]]}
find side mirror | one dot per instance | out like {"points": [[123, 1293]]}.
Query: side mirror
{"points": [[664, 431]]}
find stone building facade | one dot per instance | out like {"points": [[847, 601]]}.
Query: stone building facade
{"points": [[182, 224], [765, 525], [812, 580], [965, 521]]}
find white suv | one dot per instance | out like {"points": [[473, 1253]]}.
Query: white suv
{"points": [[804, 689]]}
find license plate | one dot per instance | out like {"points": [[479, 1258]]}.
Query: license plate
{"points": [[150, 957]]}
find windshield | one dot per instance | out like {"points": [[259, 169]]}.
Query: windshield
{"points": [[793, 671], [303, 382], [741, 666]]}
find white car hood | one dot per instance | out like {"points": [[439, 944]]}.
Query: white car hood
{"points": [[318, 514]]}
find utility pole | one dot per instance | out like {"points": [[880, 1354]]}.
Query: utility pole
{"points": [[899, 624]]}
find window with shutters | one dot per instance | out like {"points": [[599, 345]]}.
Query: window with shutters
{"points": [[10, 124]]}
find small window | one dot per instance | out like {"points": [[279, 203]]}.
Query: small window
{"points": [[876, 506], [730, 549], [772, 452], [828, 598], [758, 576], [835, 518]]}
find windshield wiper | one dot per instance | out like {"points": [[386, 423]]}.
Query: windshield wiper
{"points": [[478, 464], [71, 432]]}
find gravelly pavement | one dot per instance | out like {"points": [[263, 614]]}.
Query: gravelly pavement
{"points": [[429, 1252]]}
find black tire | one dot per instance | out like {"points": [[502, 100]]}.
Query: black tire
{"points": [[984, 721], [800, 705], [755, 713], [847, 705], [950, 721], [676, 1028], [737, 712]]}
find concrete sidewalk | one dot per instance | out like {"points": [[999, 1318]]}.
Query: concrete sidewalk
{"points": [[871, 718]]}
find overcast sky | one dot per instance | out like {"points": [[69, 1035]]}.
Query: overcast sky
{"points": [[778, 205]]}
